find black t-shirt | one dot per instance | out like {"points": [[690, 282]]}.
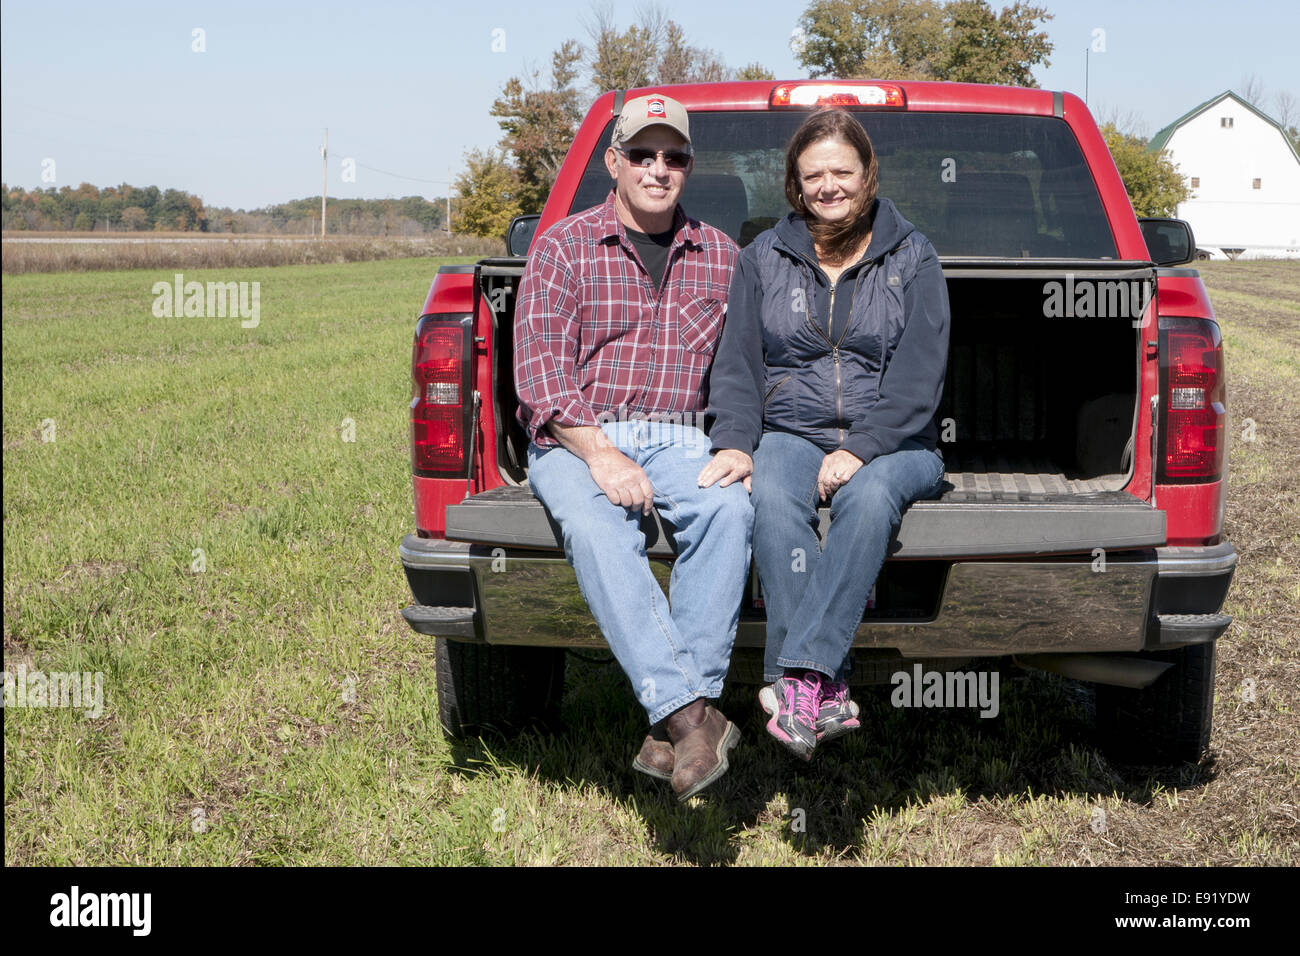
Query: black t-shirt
{"points": [[653, 250]]}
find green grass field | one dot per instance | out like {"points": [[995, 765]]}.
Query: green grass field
{"points": [[199, 531]]}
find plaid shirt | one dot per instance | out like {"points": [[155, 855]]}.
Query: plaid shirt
{"points": [[592, 336]]}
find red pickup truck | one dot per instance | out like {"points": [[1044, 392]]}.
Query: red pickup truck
{"points": [[1082, 424]]}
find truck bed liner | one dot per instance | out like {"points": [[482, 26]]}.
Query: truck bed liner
{"points": [[972, 473]]}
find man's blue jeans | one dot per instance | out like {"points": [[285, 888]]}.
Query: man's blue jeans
{"points": [[814, 597], [672, 656]]}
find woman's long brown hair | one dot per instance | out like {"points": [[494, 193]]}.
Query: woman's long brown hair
{"points": [[835, 240]]}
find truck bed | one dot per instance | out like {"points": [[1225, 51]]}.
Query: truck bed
{"points": [[1031, 405]]}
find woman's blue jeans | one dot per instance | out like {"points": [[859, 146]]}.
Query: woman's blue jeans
{"points": [[814, 596]]}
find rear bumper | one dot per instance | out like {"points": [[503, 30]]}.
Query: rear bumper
{"points": [[1144, 599]]}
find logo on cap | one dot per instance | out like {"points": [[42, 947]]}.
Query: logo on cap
{"points": [[655, 109]]}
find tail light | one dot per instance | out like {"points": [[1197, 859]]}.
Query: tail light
{"points": [[440, 364], [1192, 429]]}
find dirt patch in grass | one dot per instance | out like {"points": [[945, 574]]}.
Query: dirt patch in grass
{"points": [[74, 577], [1274, 291]]}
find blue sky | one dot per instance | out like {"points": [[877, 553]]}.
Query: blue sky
{"points": [[115, 93]]}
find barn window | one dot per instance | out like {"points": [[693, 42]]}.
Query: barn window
{"points": [[1254, 184], [1225, 122], [1196, 182]]}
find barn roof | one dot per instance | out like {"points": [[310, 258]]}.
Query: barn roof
{"points": [[1161, 139]]}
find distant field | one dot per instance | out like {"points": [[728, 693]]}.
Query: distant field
{"points": [[72, 235], [79, 252], [199, 531]]}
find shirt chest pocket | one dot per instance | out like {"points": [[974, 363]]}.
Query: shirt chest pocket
{"points": [[699, 322], [893, 316]]}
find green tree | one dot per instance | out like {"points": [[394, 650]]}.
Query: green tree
{"points": [[539, 124], [675, 61], [147, 199], [889, 39], [176, 210], [489, 194], [963, 40], [110, 207], [755, 71], [624, 59], [981, 46], [50, 212], [1155, 186]]}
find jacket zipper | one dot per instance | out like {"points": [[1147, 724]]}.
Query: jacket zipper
{"points": [[835, 346], [835, 356]]}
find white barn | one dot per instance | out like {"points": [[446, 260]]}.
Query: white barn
{"points": [[1244, 175]]}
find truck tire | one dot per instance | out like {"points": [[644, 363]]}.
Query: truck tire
{"points": [[1168, 722], [484, 688]]}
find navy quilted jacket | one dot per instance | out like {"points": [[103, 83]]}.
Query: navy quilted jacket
{"points": [[858, 367]]}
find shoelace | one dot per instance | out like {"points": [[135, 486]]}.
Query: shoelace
{"points": [[834, 692], [807, 694]]}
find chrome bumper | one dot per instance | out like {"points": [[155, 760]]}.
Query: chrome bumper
{"points": [[1133, 601]]}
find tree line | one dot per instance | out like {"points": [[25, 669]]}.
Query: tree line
{"points": [[86, 208], [126, 208]]}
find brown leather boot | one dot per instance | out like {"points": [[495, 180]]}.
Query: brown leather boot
{"points": [[701, 737], [656, 756]]}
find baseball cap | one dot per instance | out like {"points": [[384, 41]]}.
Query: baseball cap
{"points": [[653, 110]]}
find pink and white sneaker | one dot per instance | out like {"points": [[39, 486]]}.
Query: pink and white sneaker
{"points": [[837, 714], [792, 703]]}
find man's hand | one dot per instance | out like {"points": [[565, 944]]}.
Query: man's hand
{"points": [[727, 466], [619, 477], [623, 480], [837, 468]]}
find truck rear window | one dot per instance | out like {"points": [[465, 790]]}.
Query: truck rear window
{"points": [[975, 184]]}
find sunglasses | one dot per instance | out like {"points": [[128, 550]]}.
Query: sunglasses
{"points": [[641, 156]]}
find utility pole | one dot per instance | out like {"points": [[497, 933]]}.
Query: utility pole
{"points": [[449, 201], [324, 178]]}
